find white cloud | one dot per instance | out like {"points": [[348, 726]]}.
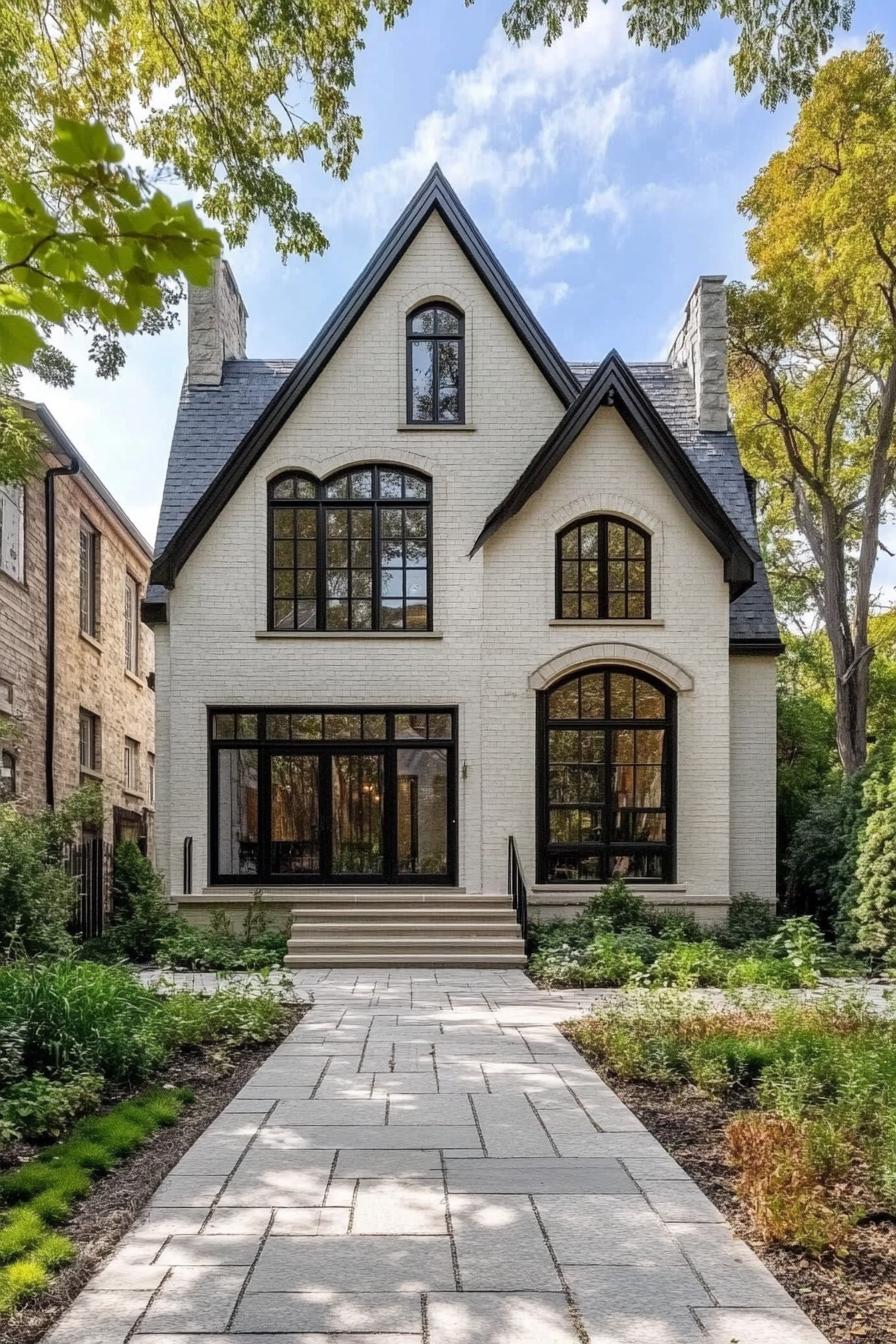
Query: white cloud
{"points": [[704, 87], [618, 204], [547, 295], [512, 118], [608, 201], [553, 236]]}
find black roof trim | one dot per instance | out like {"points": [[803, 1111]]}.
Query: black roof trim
{"points": [[154, 613], [614, 384], [436, 193]]}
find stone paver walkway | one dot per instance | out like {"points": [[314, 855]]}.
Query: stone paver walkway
{"points": [[426, 1158]]}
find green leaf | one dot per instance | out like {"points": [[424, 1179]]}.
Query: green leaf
{"points": [[19, 340]]}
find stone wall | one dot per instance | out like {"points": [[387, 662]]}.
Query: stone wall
{"points": [[216, 326], [701, 346]]}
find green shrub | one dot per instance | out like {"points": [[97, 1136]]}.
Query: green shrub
{"points": [[43, 1108], [691, 965], [218, 949], [767, 972], [610, 963], [36, 894], [21, 1280], [675, 926], [81, 1016], [800, 940], [749, 919], [874, 912], [230, 1018], [619, 905], [141, 916]]}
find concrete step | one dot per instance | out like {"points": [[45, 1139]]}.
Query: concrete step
{"points": [[430, 960], [392, 897], [339, 938], [375, 916], [401, 931]]}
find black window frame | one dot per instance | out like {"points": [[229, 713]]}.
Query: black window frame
{"points": [[603, 560], [88, 579], [377, 503], [87, 719], [606, 724], [411, 337], [389, 745]]}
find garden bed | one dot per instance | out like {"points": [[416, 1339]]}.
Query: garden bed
{"points": [[851, 1296], [105, 1214]]}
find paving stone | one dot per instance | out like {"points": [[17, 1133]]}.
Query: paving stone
{"points": [[454, 1080], [570, 1129], [165, 1222], [571, 1176], [353, 1264], [210, 1157], [271, 1094], [188, 1191], [384, 1083], [413, 1163], [126, 1276], [366, 1136], [210, 1250], [510, 1128], [275, 1183], [326, 1222], [680, 1202], [517, 1078], [500, 1318], [137, 1250], [674, 1325], [238, 1222], [655, 1169], [281, 1338], [194, 1299], [779, 1326], [733, 1273], [401, 1208], [329, 1111], [99, 1318], [607, 1230], [340, 1191], [653, 1289], [500, 1246], [243, 1105], [427, 1110], [328, 1312]]}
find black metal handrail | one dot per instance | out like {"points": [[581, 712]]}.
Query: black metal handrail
{"points": [[517, 888], [188, 864]]}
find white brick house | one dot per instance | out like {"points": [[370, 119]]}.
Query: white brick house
{"points": [[399, 621]]}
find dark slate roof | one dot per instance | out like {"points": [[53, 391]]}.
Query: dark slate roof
{"points": [[212, 422], [716, 457]]}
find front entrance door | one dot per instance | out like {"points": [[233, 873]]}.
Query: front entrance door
{"points": [[295, 799]]}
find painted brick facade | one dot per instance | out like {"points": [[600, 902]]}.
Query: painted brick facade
{"points": [[493, 615]]}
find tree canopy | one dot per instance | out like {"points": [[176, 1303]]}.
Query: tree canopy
{"points": [[813, 360], [780, 43]]}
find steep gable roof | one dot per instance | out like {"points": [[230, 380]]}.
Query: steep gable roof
{"points": [[613, 383], [436, 194]]}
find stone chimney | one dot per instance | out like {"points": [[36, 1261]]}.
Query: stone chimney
{"points": [[216, 327], [701, 346]]}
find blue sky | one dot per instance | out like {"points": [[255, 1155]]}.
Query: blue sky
{"points": [[605, 176]]}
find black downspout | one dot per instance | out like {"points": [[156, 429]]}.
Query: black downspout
{"points": [[50, 517]]}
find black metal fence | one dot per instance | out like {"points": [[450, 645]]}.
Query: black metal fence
{"points": [[89, 862]]}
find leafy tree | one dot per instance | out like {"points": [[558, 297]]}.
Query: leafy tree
{"points": [[780, 42], [813, 360], [873, 908]]}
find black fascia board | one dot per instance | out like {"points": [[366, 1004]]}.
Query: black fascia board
{"points": [[612, 383], [436, 193]]}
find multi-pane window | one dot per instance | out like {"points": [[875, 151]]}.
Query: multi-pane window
{"points": [[131, 765], [88, 740], [7, 777], [350, 553], [131, 623], [151, 778], [435, 365], [607, 764], [12, 530], [603, 570], [89, 579]]}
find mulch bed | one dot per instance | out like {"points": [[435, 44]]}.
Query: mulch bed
{"points": [[115, 1200], [851, 1300]]}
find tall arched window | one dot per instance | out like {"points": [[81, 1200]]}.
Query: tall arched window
{"points": [[353, 552], [603, 570], [606, 778], [435, 365]]}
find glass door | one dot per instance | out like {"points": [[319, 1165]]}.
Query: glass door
{"points": [[356, 814], [295, 848]]}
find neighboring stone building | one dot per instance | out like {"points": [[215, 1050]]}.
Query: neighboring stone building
{"points": [[76, 662], [431, 587]]}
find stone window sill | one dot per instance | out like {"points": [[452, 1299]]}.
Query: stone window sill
{"points": [[89, 639], [348, 634], [91, 774], [617, 623], [132, 676], [436, 429], [132, 793]]}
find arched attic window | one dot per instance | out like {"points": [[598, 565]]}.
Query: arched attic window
{"points": [[435, 365], [603, 570]]}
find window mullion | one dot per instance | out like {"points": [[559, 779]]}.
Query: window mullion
{"points": [[321, 586], [375, 564]]}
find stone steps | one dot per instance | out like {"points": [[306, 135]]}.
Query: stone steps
{"points": [[402, 927]]}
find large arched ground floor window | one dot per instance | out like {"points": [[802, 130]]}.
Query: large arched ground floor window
{"points": [[606, 778]]}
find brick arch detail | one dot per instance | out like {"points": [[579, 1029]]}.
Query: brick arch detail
{"points": [[629, 655]]}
